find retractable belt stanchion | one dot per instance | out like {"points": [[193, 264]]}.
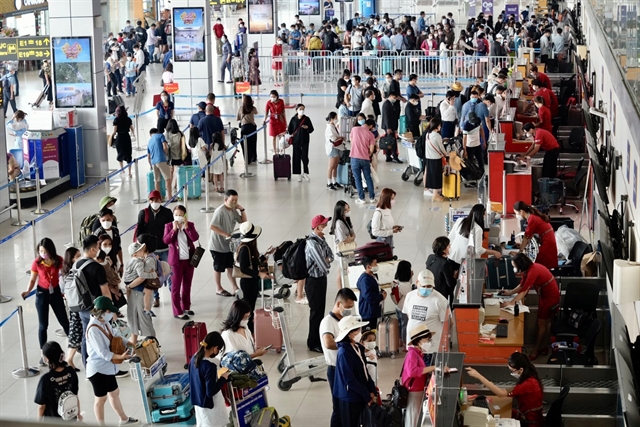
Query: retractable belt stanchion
{"points": [[34, 240], [107, 186], [4, 298], [138, 200], [185, 196], [207, 207], [266, 161], [19, 222], [246, 173], [25, 371], [138, 137], [38, 210]]}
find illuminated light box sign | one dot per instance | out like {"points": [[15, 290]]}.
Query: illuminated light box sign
{"points": [[73, 77], [309, 7], [260, 16], [188, 34]]}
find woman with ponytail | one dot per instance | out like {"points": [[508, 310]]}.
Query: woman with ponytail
{"points": [[538, 223], [527, 394], [60, 379], [206, 384]]}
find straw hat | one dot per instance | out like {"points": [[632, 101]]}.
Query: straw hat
{"points": [[456, 87], [348, 324], [408, 136], [420, 331], [455, 162]]}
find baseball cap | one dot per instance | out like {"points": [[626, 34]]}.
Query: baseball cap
{"points": [[135, 247], [425, 278], [319, 220], [155, 194], [201, 105], [104, 303]]}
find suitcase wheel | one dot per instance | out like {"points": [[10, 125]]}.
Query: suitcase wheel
{"points": [[404, 176]]}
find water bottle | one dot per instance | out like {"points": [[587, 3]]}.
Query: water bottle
{"points": [[464, 396], [516, 310]]}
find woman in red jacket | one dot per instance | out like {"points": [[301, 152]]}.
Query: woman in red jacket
{"points": [[538, 277], [527, 394], [180, 235], [538, 223], [275, 113]]}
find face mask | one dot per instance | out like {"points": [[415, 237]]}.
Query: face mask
{"points": [[348, 214], [273, 99], [370, 345], [515, 375], [393, 202], [393, 101], [300, 113], [515, 270], [105, 224], [164, 98], [388, 80], [224, 39], [425, 347], [179, 219], [374, 269], [358, 337], [155, 206], [408, 33], [107, 317], [361, 122], [106, 249], [519, 217], [425, 292], [44, 255], [347, 312], [244, 323], [279, 41], [528, 135]]}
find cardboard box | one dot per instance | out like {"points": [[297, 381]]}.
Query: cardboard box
{"points": [[492, 307], [148, 355]]}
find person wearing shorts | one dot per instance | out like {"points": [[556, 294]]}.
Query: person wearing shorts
{"points": [[224, 220], [157, 150]]}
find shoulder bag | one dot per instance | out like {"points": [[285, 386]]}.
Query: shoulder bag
{"points": [[116, 346], [237, 272], [289, 138], [443, 156], [195, 259]]}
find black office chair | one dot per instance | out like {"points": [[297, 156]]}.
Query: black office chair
{"points": [[575, 142], [573, 192], [554, 416], [578, 311], [569, 355], [571, 268]]}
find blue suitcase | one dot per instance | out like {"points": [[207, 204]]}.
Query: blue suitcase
{"points": [[183, 413], [185, 173], [151, 185], [171, 392], [342, 175]]}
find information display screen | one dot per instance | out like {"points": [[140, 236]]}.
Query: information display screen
{"points": [[188, 34], [309, 7], [260, 16], [72, 72]]}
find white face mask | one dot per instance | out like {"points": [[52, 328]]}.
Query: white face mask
{"points": [[425, 347], [107, 317], [515, 270], [515, 375], [358, 337], [273, 99], [347, 214], [374, 269], [179, 219], [106, 224], [164, 98], [279, 42], [106, 249], [370, 345], [300, 113], [519, 217], [155, 206], [244, 323]]}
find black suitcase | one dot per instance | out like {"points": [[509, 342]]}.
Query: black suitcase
{"points": [[500, 274], [281, 166], [114, 103], [471, 171], [41, 96]]}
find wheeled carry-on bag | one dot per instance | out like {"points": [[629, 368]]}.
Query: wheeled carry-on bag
{"points": [[151, 184], [500, 274], [451, 185], [378, 250], [183, 413], [194, 333], [265, 332], [194, 189], [342, 175], [41, 96], [281, 166], [172, 391], [388, 337]]}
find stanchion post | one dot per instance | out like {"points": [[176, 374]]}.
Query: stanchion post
{"points": [[72, 242], [246, 173], [38, 210], [185, 196], [34, 239], [25, 371], [226, 169], [19, 222], [107, 186], [207, 206], [138, 200], [266, 161], [137, 136]]}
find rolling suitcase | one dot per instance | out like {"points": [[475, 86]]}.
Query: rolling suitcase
{"points": [[185, 173], [500, 274], [41, 96], [388, 337], [451, 185], [183, 413], [265, 332], [381, 251], [387, 66], [281, 166], [342, 175], [171, 392], [151, 185], [114, 103], [194, 333]]}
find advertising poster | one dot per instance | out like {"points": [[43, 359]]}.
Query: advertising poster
{"points": [[472, 8], [328, 9], [432, 399], [72, 75], [188, 34], [635, 184], [50, 158], [512, 9], [260, 16], [309, 7], [487, 7]]}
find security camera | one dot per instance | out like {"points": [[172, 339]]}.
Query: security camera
{"points": [[596, 112]]}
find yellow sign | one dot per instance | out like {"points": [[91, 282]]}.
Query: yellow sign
{"points": [[25, 48]]}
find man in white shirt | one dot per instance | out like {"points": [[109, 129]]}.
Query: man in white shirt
{"points": [[139, 55], [329, 330], [473, 139], [426, 306], [151, 42], [367, 104]]}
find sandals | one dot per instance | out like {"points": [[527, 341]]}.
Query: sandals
{"points": [[224, 293]]}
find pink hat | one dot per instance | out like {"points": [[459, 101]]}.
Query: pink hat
{"points": [[319, 220]]}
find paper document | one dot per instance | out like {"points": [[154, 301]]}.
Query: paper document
{"points": [[510, 308], [487, 329]]}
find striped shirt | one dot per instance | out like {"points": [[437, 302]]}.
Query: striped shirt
{"points": [[318, 255]]}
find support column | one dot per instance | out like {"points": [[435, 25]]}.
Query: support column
{"points": [[4, 178], [194, 78], [72, 18]]}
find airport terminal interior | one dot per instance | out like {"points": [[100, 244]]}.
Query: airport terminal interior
{"points": [[505, 171]]}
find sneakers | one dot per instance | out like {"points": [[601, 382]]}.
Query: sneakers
{"points": [[360, 202], [150, 313], [373, 201], [428, 193], [397, 160], [331, 187], [130, 421], [156, 302], [122, 374], [337, 186], [299, 178], [306, 177], [302, 301]]}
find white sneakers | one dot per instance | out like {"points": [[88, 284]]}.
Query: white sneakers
{"points": [[373, 201], [299, 178], [306, 177], [428, 193], [360, 202]]}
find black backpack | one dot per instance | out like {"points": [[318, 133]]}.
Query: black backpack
{"points": [[421, 145], [294, 261], [349, 25], [146, 56]]}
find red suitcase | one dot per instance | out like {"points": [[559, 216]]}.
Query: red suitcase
{"points": [[378, 250], [264, 332], [282, 166], [194, 333]]}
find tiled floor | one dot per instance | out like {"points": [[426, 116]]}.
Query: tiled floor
{"points": [[284, 210]]}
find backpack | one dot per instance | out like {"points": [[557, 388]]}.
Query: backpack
{"points": [[76, 289], [315, 43], [86, 225], [68, 406], [146, 220], [420, 145], [370, 227], [368, 45], [481, 46], [294, 261], [163, 270], [146, 56], [141, 36], [349, 25]]}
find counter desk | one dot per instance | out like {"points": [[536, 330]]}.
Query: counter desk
{"points": [[507, 187]]}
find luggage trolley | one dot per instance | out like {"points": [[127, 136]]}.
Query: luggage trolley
{"points": [[415, 163], [291, 370], [246, 402]]}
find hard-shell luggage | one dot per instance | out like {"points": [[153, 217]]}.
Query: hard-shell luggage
{"points": [[500, 274], [342, 176], [172, 391], [115, 102], [151, 184], [387, 66], [194, 333], [264, 331], [41, 96], [388, 337], [281, 166], [471, 171], [183, 413], [402, 125], [378, 250], [451, 185], [185, 173]]}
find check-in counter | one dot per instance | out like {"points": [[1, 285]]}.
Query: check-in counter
{"points": [[508, 188]]}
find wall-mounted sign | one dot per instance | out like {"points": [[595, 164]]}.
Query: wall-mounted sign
{"points": [[18, 7], [72, 72], [512, 9], [188, 34], [25, 48], [260, 16], [309, 7]]}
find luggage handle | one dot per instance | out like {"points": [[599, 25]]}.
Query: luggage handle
{"points": [[167, 411], [264, 307]]}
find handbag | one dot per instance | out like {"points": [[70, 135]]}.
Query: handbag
{"points": [[289, 138], [399, 394], [338, 142], [237, 272], [387, 142], [343, 247], [116, 346], [183, 149], [374, 176], [110, 140], [195, 259], [152, 284], [443, 158]]}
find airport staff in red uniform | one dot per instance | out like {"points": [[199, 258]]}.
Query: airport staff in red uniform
{"points": [[538, 277], [544, 114], [544, 79], [550, 98], [538, 223], [545, 140]]}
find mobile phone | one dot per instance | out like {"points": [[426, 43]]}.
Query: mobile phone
{"points": [[130, 351], [268, 347]]}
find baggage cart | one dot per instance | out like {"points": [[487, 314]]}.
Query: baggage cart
{"points": [[415, 166]]}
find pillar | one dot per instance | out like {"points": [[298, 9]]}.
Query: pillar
{"points": [[82, 18], [195, 79], [4, 178]]}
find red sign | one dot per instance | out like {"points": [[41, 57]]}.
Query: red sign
{"points": [[243, 88], [172, 88]]}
